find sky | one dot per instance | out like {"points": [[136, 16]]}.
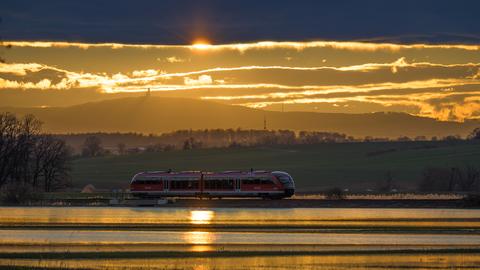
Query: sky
{"points": [[418, 57]]}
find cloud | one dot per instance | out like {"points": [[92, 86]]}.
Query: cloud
{"points": [[202, 80], [398, 64], [476, 76], [262, 45], [440, 81], [174, 59], [144, 73], [20, 69], [43, 84]]}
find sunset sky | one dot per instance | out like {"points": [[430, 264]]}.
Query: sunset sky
{"points": [[342, 56]]}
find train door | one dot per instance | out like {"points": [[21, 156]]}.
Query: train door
{"points": [[166, 185], [238, 183]]}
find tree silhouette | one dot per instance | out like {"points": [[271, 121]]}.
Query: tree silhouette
{"points": [[92, 147]]}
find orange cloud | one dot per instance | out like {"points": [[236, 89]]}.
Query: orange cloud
{"points": [[20, 69], [202, 80], [262, 45]]}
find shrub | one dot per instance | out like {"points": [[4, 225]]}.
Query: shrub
{"points": [[17, 194], [335, 193]]}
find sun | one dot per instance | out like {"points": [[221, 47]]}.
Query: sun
{"points": [[201, 44]]}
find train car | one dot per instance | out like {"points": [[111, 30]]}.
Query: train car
{"points": [[265, 184]]}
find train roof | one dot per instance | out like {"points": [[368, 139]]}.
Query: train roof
{"points": [[196, 173]]}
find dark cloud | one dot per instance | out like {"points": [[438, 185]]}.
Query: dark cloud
{"points": [[181, 21]]}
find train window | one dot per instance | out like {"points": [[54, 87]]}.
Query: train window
{"points": [[267, 182], [246, 182], [219, 184], [252, 181], [283, 178], [146, 182], [191, 184]]}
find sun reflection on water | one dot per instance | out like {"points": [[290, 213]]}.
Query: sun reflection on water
{"points": [[201, 216], [197, 237], [201, 240]]}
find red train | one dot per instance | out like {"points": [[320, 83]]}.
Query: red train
{"points": [[274, 185]]}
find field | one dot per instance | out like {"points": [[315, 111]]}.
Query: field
{"points": [[354, 166]]}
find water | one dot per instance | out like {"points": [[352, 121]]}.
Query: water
{"points": [[357, 262], [183, 238], [308, 217]]}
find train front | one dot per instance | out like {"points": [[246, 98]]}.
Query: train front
{"points": [[287, 182]]}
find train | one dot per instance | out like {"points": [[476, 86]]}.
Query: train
{"points": [[263, 184]]}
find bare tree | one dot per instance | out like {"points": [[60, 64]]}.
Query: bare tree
{"points": [[475, 134], [436, 179], [9, 130], [450, 179], [387, 184], [29, 130], [471, 178], [92, 147], [56, 165], [121, 148], [28, 158]]}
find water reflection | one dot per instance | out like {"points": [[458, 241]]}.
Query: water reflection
{"points": [[333, 262], [200, 240], [201, 216], [85, 216], [197, 237]]}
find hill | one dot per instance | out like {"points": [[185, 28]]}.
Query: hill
{"points": [[158, 114], [356, 166]]}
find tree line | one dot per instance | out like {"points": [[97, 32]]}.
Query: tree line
{"points": [[453, 179], [128, 143], [29, 159], [209, 138], [462, 179]]}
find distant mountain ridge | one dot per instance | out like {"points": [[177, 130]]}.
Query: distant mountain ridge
{"points": [[159, 114]]}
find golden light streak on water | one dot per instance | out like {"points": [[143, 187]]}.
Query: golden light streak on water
{"points": [[200, 240], [201, 217], [198, 237]]}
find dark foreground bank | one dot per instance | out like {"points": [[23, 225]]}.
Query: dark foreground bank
{"points": [[352, 200], [93, 201], [322, 203]]}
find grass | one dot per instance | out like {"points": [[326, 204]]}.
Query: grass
{"points": [[356, 166]]}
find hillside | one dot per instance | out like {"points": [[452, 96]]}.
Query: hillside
{"points": [[157, 115], [356, 166]]}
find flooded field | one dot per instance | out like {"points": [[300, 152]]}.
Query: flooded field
{"points": [[223, 238]]}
